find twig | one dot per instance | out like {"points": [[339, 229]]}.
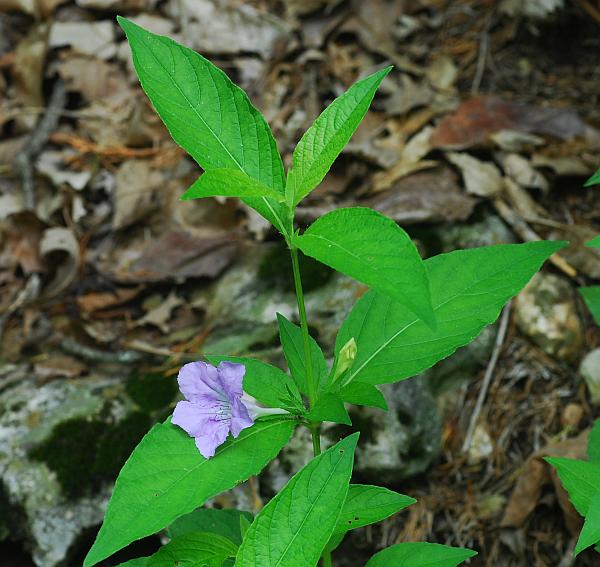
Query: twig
{"points": [[591, 10], [27, 294], [489, 372], [26, 159], [482, 56], [526, 233], [96, 355]]}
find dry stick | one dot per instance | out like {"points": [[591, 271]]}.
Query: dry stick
{"points": [[26, 159], [27, 294], [482, 56], [487, 379], [526, 233]]}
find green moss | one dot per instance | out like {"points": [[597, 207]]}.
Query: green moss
{"points": [[276, 270], [117, 442], [151, 392], [83, 453]]}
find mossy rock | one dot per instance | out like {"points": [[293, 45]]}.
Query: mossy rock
{"points": [[85, 453]]}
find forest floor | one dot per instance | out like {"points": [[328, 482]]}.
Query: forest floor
{"points": [[492, 110]]}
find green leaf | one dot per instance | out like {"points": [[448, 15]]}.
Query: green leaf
{"points": [[245, 524], [225, 523], [325, 139], [468, 289], [363, 394], [373, 249], [268, 384], [593, 180], [329, 407], [581, 479], [294, 527], [594, 242], [590, 533], [593, 448], [194, 550], [228, 183], [207, 115], [166, 477], [138, 562], [591, 296], [293, 349], [420, 554], [369, 504]]}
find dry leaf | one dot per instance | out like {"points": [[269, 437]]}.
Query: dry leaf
{"points": [[481, 178]]}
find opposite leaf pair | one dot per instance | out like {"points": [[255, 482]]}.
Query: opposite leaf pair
{"points": [[312, 512]]}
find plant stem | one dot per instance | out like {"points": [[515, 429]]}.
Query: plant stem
{"points": [[310, 378], [316, 439], [315, 428]]}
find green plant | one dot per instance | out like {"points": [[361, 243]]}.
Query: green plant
{"points": [[415, 313]]}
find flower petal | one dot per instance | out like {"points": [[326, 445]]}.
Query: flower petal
{"points": [[192, 418], [231, 375], [199, 379], [212, 437], [240, 418]]}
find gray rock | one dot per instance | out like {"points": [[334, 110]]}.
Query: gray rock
{"points": [[50, 503], [590, 371], [401, 442], [487, 232], [546, 312], [393, 445], [243, 304]]}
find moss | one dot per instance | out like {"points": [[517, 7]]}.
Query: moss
{"points": [[117, 442], [84, 453], [151, 392], [276, 270]]}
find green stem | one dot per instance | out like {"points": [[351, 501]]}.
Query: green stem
{"points": [[310, 377], [315, 432], [315, 428]]}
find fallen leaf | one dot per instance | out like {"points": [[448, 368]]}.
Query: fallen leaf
{"points": [[476, 119], [28, 67], [23, 233], [97, 300], [522, 172], [159, 316], [432, 196], [90, 76], [442, 73], [88, 38], [174, 256], [58, 366], [535, 474], [226, 28], [411, 160], [563, 165], [60, 250], [52, 164], [136, 192], [481, 178]]}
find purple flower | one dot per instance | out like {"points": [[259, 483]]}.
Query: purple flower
{"points": [[214, 407]]}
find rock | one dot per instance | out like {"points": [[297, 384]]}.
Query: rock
{"points": [[487, 232], [61, 446], [545, 311], [243, 303], [393, 445], [481, 445], [590, 371], [399, 443]]}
